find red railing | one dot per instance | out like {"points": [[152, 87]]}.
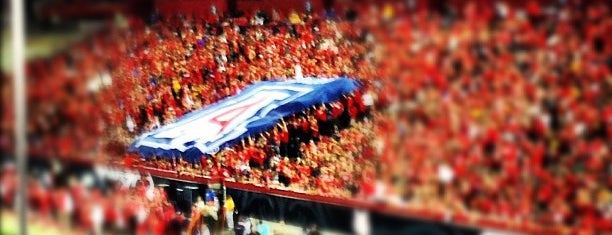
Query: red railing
{"points": [[174, 175], [380, 207], [408, 212]]}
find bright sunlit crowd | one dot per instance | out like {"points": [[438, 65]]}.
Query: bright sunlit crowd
{"points": [[497, 112]]}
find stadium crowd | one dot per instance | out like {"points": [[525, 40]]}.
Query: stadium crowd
{"points": [[488, 122], [486, 111], [66, 108], [93, 208], [182, 64]]}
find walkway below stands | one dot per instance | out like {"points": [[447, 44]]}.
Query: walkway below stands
{"points": [[279, 228]]}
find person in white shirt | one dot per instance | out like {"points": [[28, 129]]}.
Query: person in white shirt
{"points": [[130, 124], [67, 208], [298, 72], [246, 223], [368, 99], [200, 203], [97, 219], [361, 222]]}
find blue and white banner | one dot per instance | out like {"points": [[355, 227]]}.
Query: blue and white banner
{"points": [[254, 110]]}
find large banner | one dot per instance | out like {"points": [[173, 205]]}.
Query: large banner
{"points": [[254, 110]]}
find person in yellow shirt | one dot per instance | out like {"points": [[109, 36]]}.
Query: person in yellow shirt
{"points": [[294, 18], [176, 85], [388, 12], [229, 211]]}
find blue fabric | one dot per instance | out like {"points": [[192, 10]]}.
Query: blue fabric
{"points": [[210, 196], [254, 110], [263, 229]]}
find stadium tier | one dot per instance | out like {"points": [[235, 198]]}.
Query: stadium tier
{"points": [[460, 118]]}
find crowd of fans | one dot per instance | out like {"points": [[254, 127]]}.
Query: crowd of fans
{"points": [[505, 113], [183, 64], [485, 111], [118, 208], [65, 106], [314, 151], [490, 122]]}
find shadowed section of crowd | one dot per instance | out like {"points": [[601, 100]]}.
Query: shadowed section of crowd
{"points": [[95, 205]]}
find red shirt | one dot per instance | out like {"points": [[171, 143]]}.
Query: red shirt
{"points": [[276, 137], [368, 187], [204, 162], [128, 161], [284, 136], [257, 155], [111, 213], [337, 109], [304, 170], [359, 100], [321, 115], [314, 128], [353, 112], [305, 125]]}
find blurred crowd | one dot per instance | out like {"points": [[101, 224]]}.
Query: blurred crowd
{"points": [[485, 111], [88, 206], [182, 64], [66, 106], [489, 112], [504, 112]]}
